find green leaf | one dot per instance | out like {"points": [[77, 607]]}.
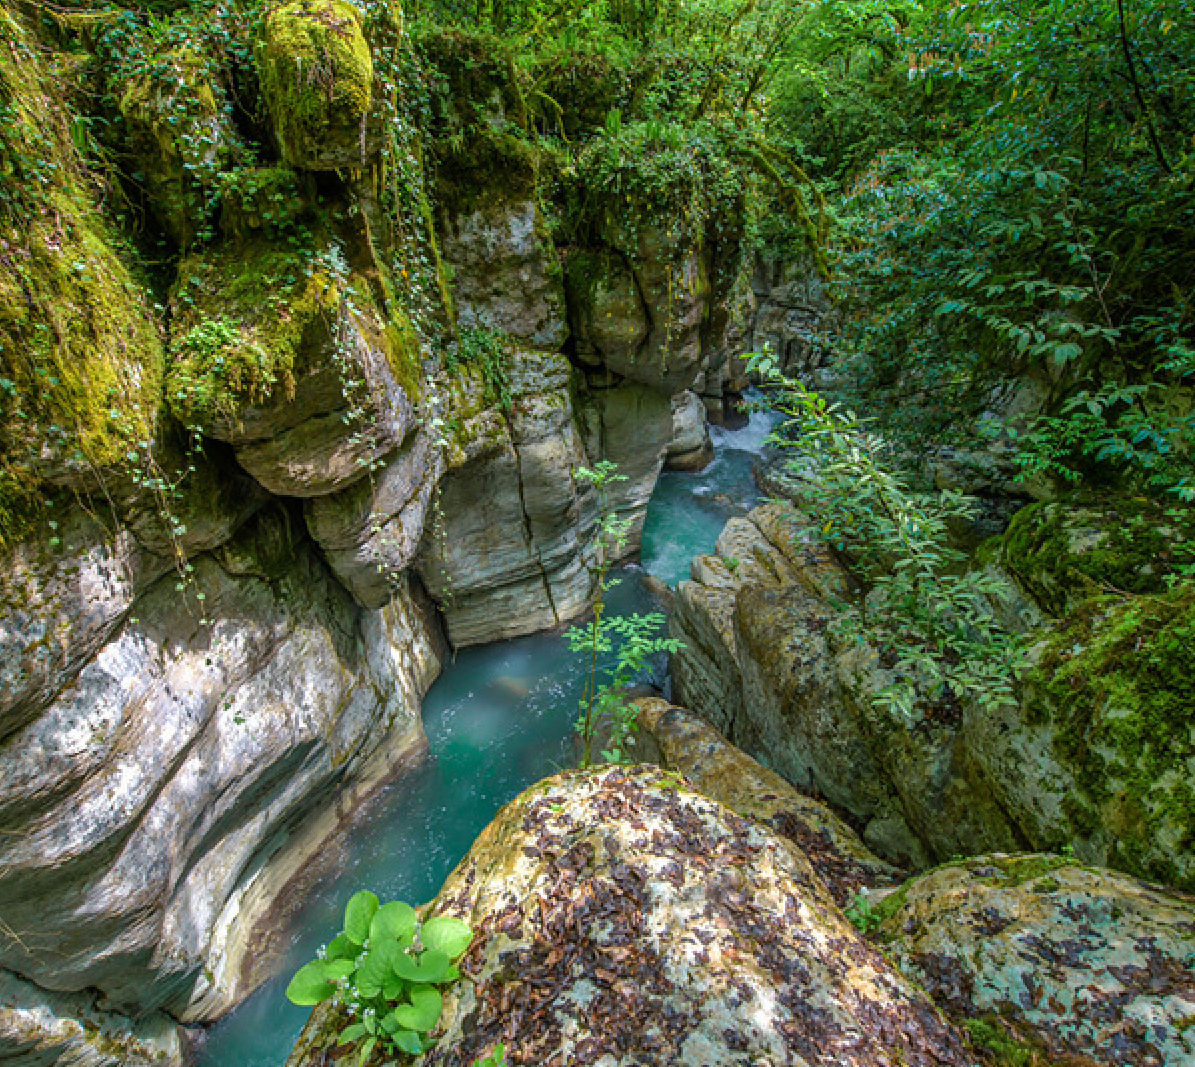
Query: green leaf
{"points": [[393, 921], [376, 968], [359, 914], [367, 1050], [343, 947], [394, 987], [408, 1041], [424, 1010], [351, 1033], [430, 966], [310, 985], [447, 934]]}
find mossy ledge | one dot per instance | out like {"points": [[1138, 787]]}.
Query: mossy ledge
{"points": [[1116, 684], [316, 76]]}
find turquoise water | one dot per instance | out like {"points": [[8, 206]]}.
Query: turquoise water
{"points": [[688, 511], [499, 718]]}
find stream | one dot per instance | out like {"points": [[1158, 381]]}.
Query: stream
{"points": [[498, 719]]}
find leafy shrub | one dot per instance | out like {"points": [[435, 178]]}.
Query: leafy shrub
{"points": [[388, 968], [928, 617], [633, 639]]}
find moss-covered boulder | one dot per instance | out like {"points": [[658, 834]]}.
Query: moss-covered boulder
{"points": [[1062, 554], [80, 347], [181, 136], [655, 256], [1110, 699], [317, 78], [1049, 962], [762, 664], [621, 919], [473, 82], [286, 354]]}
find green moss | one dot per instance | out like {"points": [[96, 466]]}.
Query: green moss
{"points": [[270, 200], [80, 351], [1062, 554], [316, 75], [1117, 683], [80, 354], [1017, 870], [474, 80], [243, 317], [585, 87], [483, 166], [180, 135], [1001, 1049], [403, 351]]}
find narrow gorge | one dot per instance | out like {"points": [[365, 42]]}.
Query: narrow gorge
{"points": [[350, 354]]}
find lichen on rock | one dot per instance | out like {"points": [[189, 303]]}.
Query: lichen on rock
{"points": [[715, 768], [1071, 960], [622, 919]]}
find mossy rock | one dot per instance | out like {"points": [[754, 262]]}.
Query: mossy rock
{"points": [[80, 347], [182, 136], [482, 167], [274, 346], [1117, 687], [474, 81], [317, 78], [1062, 554], [243, 319], [265, 200], [576, 90], [80, 352], [1047, 961]]}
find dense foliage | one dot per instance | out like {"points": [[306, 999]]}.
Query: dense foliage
{"points": [[1017, 206]]}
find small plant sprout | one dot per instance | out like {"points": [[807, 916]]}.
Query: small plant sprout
{"points": [[633, 639]]}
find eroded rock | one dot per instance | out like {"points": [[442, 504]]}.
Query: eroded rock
{"points": [[144, 798]]}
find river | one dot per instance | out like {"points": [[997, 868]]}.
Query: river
{"points": [[498, 719]]}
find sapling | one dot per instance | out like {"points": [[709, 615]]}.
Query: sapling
{"points": [[633, 639]]}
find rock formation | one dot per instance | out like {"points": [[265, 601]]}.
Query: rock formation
{"points": [[1039, 953], [1073, 763], [621, 918], [225, 504]]}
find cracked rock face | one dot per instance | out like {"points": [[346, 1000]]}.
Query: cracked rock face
{"points": [[1079, 961], [508, 556], [621, 919]]}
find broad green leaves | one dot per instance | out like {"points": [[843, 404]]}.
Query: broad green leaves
{"points": [[359, 914], [394, 922], [389, 966], [446, 934], [317, 981]]}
